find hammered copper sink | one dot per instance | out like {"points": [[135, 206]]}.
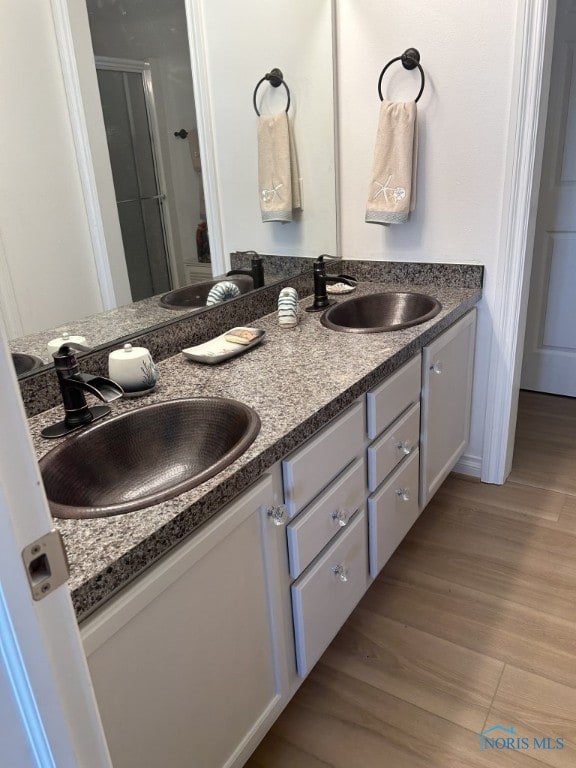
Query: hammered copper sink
{"points": [[145, 456], [24, 363], [194, 296], [379, 312]]}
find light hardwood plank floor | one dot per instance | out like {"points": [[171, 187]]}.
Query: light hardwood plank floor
{"points": [[471, 624]]}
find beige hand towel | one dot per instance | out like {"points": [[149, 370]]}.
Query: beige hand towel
{"points": [[278, 176], [392, 192]]}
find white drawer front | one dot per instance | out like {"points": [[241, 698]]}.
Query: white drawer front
{"points": [[391, 398], [399, 441], [309, 533], [391, 513], [309, 469], [322, 601]]}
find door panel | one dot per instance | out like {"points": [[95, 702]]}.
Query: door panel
{"points": [[560, 315]]}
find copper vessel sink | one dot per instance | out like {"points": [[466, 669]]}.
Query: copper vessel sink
{"points": [[24, 363], [194, 296], [145, 456], [378, 312]]}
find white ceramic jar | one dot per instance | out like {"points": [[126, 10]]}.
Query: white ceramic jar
{"points": [[132, 368], [77, 342]]}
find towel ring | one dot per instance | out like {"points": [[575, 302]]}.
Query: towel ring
{"points": [[410, 60], [275, 78]]}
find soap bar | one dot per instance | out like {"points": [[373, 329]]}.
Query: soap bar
{"points": [[241, 335]]}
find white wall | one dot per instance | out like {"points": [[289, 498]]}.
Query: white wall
{"points": [[246, 40], [467, 53], [43, 227]]}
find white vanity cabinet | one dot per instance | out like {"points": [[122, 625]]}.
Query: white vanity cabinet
{"points": [[393, 461], [189, 663], [447, 371]]}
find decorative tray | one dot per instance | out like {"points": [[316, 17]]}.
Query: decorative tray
{"points": [[225, 346]]}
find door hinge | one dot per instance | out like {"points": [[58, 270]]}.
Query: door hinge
{"points": [[46, 564]]}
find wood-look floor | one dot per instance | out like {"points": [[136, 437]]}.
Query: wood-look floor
{"points": [[472, 623]]}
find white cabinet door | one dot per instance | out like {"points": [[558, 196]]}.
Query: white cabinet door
{"points": [[183, 661], [447, 369]]}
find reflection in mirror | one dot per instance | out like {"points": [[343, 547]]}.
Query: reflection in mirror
{"points": [[136, 90], [142, 56]]}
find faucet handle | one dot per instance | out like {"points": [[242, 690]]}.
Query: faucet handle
{"points": [[65, 359]]}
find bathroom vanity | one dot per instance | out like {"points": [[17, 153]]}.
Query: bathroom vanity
{"points": [[202, 615]]}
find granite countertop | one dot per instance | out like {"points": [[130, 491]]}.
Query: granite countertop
{"points": [[297, 380], [130, 319]]}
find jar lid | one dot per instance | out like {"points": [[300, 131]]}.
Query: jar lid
{"points": [[128, 352]]}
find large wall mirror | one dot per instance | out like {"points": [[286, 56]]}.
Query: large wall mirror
{"points": [[160, 96]]}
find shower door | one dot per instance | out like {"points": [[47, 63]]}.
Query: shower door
{"points": [[127, 103]]}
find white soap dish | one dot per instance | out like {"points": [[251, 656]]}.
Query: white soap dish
{"points": [[336, 288], [222, 347]]}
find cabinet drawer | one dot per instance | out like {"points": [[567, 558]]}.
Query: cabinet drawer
{"points": [[399, 441], [309, 533], [391, 513], [309, 469], [322, 601], [387, 401]]}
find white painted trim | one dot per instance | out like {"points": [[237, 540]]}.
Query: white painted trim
{"points": [[10, 317], [20, 685], [506, 350], [469, 465], [160, 167], [198, 61], [336, 103], [83, 152]]}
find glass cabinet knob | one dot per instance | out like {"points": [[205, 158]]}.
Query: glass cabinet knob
{"points": [[341, 516], [341, 572], [405, 447], [436, 367], [278, 514], [403, 493]]}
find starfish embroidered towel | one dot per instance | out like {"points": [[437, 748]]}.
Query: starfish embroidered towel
{"points": [[278, 176], [392, 192]]}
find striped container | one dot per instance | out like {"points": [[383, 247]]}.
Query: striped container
{"points": [[288, 308]]}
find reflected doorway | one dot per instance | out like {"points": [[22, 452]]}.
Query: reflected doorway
{"points": [[144, 76], [127, 98]]}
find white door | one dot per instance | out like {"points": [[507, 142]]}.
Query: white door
{"points": [[48, 715], [550, 347]]}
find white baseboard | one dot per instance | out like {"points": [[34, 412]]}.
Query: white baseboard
{"points": [[469, 465]]}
